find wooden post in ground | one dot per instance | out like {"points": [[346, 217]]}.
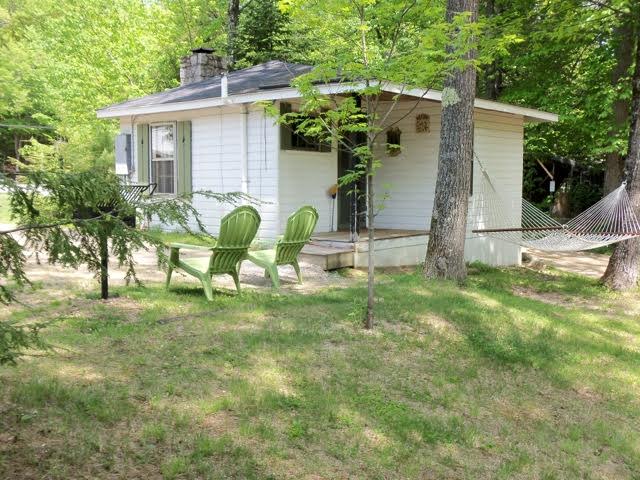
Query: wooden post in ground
{"points": [[104, 262]]}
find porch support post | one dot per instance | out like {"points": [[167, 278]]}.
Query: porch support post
{"points": [[244, 149], [355, 214]]}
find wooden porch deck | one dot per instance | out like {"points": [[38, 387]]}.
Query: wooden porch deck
{"points": [[328, 257], [380, 234], [333, 250]]}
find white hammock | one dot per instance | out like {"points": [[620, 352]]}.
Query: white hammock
{"points": [[610, 220]]}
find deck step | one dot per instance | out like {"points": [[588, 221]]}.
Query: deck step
{"points": [[327, 257]]}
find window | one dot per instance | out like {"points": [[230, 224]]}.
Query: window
{"points": [[393, 141], [163, 157], [292, 140]]}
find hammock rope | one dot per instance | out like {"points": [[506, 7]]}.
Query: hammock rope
{"points": [[610, 220]]}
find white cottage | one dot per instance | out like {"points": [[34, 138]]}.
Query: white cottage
{"points": [[209, 134]]}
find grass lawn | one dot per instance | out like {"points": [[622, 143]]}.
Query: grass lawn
{"points": [[4, 208], [520, 374]]}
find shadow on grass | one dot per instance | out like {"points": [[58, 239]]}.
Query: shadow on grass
{"points": [[512, 329], [198, 291], [100, 429], [299, 374], [497, 324]]}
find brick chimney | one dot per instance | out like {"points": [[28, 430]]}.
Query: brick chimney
{"points": [[203, 63]]}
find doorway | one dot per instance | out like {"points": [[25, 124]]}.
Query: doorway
{"points": [[351, 207]]}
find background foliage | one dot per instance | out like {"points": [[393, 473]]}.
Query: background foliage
{"points": [[563, 63], [62, 59]]}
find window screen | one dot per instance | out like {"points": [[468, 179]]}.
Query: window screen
{"points": [[163, 150], [292, 140]]}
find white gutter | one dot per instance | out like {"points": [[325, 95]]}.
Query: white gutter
{"points": [[530, 114], [244, 149]]}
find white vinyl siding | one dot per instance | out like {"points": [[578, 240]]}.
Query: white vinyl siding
{"points": [[499, 146], [409, 178], [305, 178], [263, 180], [216, 135], [216, 164]]}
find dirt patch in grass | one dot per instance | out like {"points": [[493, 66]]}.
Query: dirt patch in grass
{"points": [[584, 263], [608, 307], [552, 298]]}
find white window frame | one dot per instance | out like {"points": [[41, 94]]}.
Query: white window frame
{"points": [[174, 125]]}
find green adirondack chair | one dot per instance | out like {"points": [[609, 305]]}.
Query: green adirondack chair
{"points": [[237, 231], [300, 226]]}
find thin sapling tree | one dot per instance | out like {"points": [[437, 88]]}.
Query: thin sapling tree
{"points": [[379, 50]]}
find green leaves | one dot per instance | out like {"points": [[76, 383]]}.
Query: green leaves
{"points": [[11, 266], [15, 339], [67, 216], [559, 56], [61, 60]]}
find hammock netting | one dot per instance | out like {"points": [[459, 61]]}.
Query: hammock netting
{"points": [[610, 220]]}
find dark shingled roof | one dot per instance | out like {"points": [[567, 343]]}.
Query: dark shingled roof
{"points": [[267, 75]]}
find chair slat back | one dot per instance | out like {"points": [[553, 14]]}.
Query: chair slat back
{"points": [[300, 226], [237, 230]]}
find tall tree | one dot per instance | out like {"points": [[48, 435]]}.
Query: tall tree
{"points": [[622, 270], [263, 34], [569, 58], [624, 40], [445, 251], [491, 76], [233, 19], [234, 9], [63, 59]]}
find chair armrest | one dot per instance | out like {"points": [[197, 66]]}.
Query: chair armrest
{"points": [[188, 246]]}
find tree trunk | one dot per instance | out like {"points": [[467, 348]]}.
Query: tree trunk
{"points": [[368, 324], [233, 18], [614, 171], [622, 271], [493, 81], [445, 252]]}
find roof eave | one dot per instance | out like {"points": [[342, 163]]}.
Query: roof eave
{"points": [[529, 114], [266, 95]]}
